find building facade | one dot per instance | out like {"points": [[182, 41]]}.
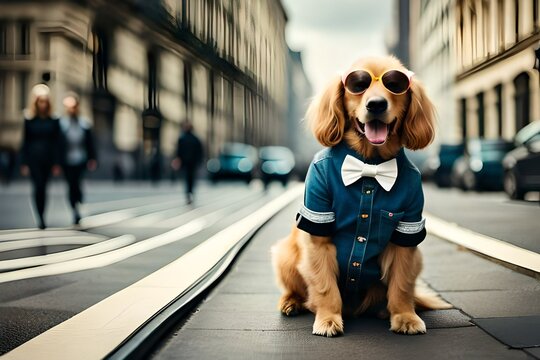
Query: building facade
{"points": [[432, 58], [143, 67], [299, 138], [497, 91]]}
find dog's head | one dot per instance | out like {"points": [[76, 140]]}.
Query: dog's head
{"points": [[377, 106]]}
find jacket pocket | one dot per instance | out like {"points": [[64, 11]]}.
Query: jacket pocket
{"points": [[387, 224]]}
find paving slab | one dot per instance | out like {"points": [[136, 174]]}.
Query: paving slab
{"points": [[374, 341], [496, 303], [239, 318], [516, 332]]}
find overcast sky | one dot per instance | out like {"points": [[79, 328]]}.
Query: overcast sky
{"points": [[333, 33]]}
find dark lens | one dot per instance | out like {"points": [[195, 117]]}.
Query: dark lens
{"points": [[395, 81], [358, 81]]}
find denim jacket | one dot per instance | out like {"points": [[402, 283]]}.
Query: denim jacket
{"points": [[363, 217]]}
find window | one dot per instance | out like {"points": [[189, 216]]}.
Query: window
{"points": [[187, 87], [522, 100], [499, 106], [3, 38], [100, 59], [2, 91], [45, 46], [24, 38], [463, 108], [480, 114], [535, 14], [152, 80], [23, 88], [516, 19]]}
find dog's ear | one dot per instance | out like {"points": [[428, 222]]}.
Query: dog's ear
{"points": [[419, 124], [326, 114]]}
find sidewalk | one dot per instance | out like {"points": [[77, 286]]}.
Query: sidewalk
{"points": [[239, 319]]}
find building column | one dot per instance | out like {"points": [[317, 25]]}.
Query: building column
{"points": [[472, 117], [490, 113], [509, 110], [509, 23], [493, 46], [526, 26], [534, 82]]}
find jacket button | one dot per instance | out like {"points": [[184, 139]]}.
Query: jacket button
{"points": [[361, 239], [352, 279], [356, 264], [368, 192], [364, 216]]}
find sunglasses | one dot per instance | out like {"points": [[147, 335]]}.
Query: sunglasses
{"points": [[358, 81]]}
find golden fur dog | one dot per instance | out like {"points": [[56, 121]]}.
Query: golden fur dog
{"points": [[305, 265]]}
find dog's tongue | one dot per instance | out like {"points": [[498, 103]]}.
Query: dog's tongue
{"points": [[376, 131]]}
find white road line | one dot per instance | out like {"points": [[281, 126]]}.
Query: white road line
{"points": [[483, 244], [156, 219], [90, 250], [114, 256], [115, 216], [95, 332], [15, 234], [81, 239]]}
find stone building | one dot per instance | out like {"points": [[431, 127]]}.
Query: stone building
{"points": [[476, 58], [496, 89], [143, 67]]}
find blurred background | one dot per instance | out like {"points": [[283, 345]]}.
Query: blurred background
{"points": [[243, 73]]}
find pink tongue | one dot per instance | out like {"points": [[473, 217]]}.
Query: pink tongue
{"points": [[376, 131]]}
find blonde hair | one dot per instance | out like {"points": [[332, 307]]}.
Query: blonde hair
{"points": [[38, 91]]}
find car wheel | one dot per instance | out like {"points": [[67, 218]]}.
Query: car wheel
{"points": [[511, 186]]}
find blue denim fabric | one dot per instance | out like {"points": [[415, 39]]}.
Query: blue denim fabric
{"points": [[361, 218]]}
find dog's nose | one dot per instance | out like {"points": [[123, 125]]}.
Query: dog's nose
{"points": [[377, 105]]}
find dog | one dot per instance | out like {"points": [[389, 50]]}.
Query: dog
{"points": [[354, 243]]}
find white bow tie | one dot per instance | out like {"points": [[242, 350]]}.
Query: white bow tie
{"points": [[385, 173]]}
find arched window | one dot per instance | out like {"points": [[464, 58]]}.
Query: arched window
{"points": [[463, 118], [480, 115], [522, 99]]}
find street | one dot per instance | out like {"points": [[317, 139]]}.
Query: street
{"points": [[32, 305], [130, 231]]}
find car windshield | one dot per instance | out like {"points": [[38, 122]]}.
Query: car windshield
{"points": [[275, 153], [488, 146], [527, 133]]}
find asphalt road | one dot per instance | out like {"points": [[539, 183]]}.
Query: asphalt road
{"points": [[31, 305]]}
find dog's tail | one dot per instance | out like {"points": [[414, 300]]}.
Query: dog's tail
{"points": [[426, 299]]}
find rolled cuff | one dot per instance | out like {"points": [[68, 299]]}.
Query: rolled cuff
{"points": [[314, 228], [408, 239]]}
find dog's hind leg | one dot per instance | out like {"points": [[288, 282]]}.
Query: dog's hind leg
{"points": [[400, 268], [285, 258]]}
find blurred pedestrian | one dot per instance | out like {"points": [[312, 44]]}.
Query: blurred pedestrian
{"points": [[40, 150], [189, 154], [78, 151]]}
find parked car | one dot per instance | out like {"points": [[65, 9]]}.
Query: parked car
{"points": [[236, 161], [439, 167], [276, 163], [480, 168], [522, 165]]}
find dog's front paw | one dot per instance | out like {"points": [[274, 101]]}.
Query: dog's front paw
{"points": [[328, 325], [407, 323]]}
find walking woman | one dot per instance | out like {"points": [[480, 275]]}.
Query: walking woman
{"points": [[40, 150], [78, 151]]}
